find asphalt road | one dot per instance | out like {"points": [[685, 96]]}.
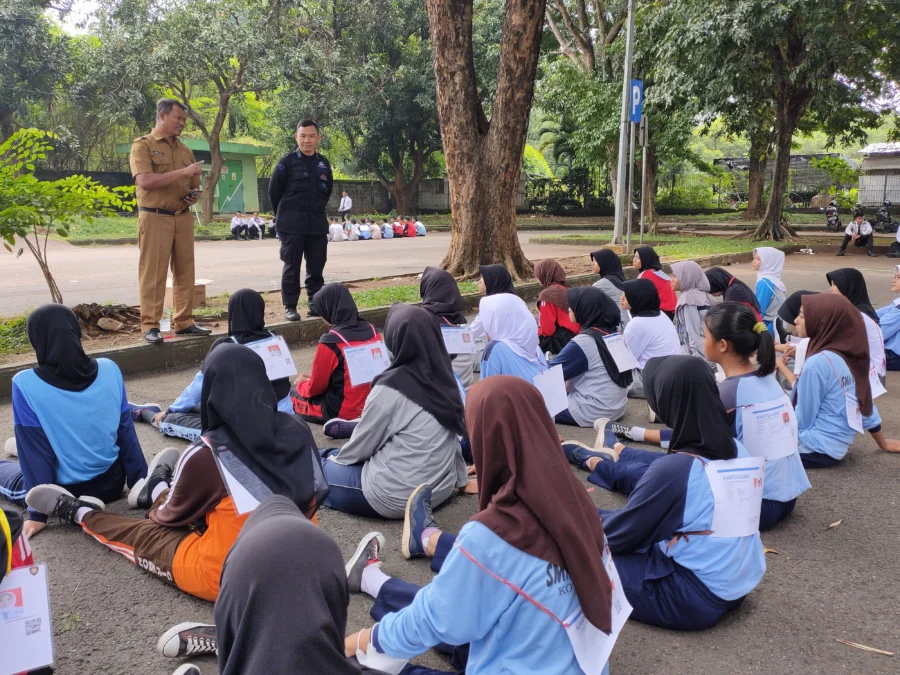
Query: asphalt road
{"points": [[821, 586], [109, 273]]}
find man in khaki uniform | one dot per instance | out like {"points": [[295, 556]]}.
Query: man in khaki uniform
{"points": [[168, 182]]}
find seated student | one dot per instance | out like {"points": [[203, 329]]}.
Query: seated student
{"points": [[273, 229], [239, 226], [387, 232], [72, 420], [647, 263], [353, 232], [649, 333], [327, 392], [256, 227], [408, 430], [859, 231], [555, 328], [420, 227], [495, 279], [733, 336], [609, 266], [410, 226], [835, 373], [787, 317], [889, 319], [850, 283], [374, 229], [693, 304], [239, 414], [596, 388], [675, 573], [770, 291], [364, 232], [507, 580], [335, 231], [246, 325], [731, 289], [440, 296], [513, 347], [399, 229]]}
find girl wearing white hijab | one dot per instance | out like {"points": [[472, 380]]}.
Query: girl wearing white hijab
{"points": [[512, 330], [770, 291], [693, 304]]}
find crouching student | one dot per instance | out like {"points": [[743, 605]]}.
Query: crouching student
{"points": [[832, 394], [72, 420], [676, 573], [531, 558], [409, 428], [555, 327], [595, 386], [192, 521], [889, 318], [693, 304], [647, 263], [513, 347], [327, 392], [246, 326], [650, 333], [440, 296], [770, 290]]}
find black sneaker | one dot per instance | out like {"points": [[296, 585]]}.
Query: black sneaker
{"points": [[871, 255], [188, 639], [291, 314], [312, 311], [366, 554], [578, 454], [606, 433], [417, 518], [839, 254], [161, 470], [53, 500], [187, 669], [338, 428], [193, 330], [153, 336], [138, 408]]}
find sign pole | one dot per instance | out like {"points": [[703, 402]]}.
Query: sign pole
{"points": [[645, 137], [630, 186], [623, 128]]}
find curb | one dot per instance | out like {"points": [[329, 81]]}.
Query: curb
{"points": [[181, 352]]}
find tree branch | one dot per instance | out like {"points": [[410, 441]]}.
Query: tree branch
{"points": [[565, 47]]}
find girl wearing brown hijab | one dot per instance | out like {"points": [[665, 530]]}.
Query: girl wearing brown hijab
{"points": [[531, 557], [832, 395], [555, 328]]}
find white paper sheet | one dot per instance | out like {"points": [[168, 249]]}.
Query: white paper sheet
{"points": [[372, 658], [737, 487], [854, 414], [26, 634], [620, 352], [800, 354], [552, 386], [366, 362], [875, 383], [770, 429], [277, 357], [458, 339], [245, 488]]}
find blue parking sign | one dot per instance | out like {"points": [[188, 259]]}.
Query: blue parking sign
{"points": [[636, 105]]}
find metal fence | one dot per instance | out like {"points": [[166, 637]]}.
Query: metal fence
{"points": [[879, 185]]}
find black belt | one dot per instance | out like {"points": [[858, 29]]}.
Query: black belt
{"points": [[163, 212]]}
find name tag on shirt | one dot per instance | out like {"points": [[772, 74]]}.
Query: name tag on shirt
{"points": [[875, 383], [25, 630], [770, 429], [620, 352], [366, 362], [552, 386], [592, 646], [737, 488], [458, 339], [277, 357], [244, 486], [854, 414]]}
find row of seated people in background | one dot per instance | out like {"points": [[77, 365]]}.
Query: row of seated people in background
{"points": [[367, 228], [252, 226]]}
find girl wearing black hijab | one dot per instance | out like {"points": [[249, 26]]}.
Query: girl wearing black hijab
{"points": [[246, 325], [72, 420], [732, 289], [676, 574], [192, 520], [409, 428], [440, 296], [596, 387], [327, 393], [850, 283], [648, 265], [608, 265], [650, 332]]}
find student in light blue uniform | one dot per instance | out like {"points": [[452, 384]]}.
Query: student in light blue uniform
{"points": [[675, 573], [514, 344], [536, 530], [889, 319], [246, 325], [72, 420], [387, 232], [770, 291], [596, 387], [836, 369]]}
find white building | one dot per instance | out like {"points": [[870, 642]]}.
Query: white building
{"points": [[879, 179]]}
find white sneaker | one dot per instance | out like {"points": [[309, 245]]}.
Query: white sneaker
{"points": [[10, 448]]}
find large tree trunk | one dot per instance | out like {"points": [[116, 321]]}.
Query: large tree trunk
{"points": [[759, 151], [787, 116], [484, 158]]}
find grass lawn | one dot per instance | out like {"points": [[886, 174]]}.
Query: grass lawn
{"points": [[124, 227], [13, 338], [668, 245]]}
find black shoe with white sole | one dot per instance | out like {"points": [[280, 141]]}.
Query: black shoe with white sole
{"points": [[53, 500], [194, 331], [366, 554], [188, 639], [161, 470], [187, 669]]}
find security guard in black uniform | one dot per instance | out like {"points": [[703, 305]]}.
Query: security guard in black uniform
{"points": [[299, 190]]}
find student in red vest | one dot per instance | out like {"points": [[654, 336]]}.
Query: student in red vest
{"points": [[646, 261], [399, 229], [555, 328], [327, 393], [410, 225]]}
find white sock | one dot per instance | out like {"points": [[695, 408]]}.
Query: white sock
{"points": [[81, 513], [157, 491], [637, 434], [372, 580]]}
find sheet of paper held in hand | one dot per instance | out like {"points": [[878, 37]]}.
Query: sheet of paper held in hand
{"points": [[245, 488], [552, 386], [737, 487], [26, 635], [277, 357], [366, 362], [620, 352], [770, 429], [458, 339]]}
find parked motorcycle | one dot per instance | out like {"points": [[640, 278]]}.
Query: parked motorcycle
{"points": [[832, 222], [883, 221]]}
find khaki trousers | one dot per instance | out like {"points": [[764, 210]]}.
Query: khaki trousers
{"points": [[163, 240]]}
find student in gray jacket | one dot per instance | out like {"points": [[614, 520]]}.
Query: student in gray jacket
{"points": [[596, 387], [693, 304], [608, 265], [409, 430]]}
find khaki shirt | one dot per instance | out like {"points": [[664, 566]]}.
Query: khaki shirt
{"points": [[155, 154]]}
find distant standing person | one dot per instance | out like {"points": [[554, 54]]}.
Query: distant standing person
{"points": [[345, 206], [168, 184], [299, 191]]}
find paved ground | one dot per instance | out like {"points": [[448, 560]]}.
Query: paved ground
{"points": [[109, 273], [821, 586]]}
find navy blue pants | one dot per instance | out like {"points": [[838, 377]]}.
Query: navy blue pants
{"points": [[773, 512], [106, 487], [623, 475], [818, 460], [346, 493], [893, 360], [565, 417]]}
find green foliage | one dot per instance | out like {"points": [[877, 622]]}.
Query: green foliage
{"points": [[534, 164], [13, 338], [839, 171]]}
